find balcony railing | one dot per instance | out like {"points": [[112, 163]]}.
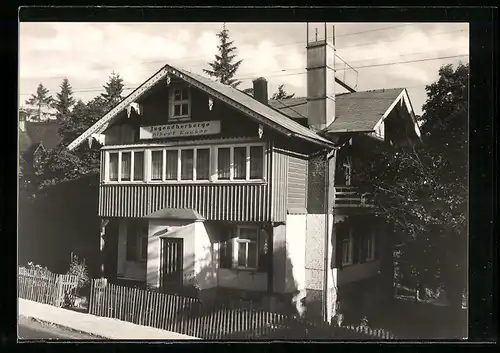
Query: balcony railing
{"points": [[350, 196]]}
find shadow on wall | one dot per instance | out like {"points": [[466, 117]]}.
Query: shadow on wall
{"points": [[62, 221]]}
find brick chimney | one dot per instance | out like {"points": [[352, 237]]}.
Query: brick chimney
{"points": [[320, 76], [260, 90]]}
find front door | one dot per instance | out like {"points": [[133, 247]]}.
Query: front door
{"points": [[171, 263]]}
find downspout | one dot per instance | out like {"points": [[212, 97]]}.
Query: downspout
{"points": [[328, 156]]}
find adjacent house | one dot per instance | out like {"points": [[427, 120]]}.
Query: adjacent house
{"points": [[206, 187]]}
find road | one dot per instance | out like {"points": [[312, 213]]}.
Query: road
{"points": [[34, 330]]}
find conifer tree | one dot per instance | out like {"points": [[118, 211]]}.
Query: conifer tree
{"points": [[64, 100], [114, 89], [282, 94], [41, 101], [223, 68]]}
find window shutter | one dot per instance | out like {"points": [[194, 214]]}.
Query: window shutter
{"points": [[226, 248]]}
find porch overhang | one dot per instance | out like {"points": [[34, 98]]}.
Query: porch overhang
{"points": [[185, 214]]}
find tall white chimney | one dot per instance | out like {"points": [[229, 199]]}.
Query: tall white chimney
{"points": [[320, 75]]}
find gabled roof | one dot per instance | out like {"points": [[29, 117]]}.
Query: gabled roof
{"points": [[354, 112], [241, 101], [44, 132]]}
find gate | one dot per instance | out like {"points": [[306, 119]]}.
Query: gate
{"points": [[171, 265]]}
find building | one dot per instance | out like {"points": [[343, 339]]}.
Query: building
{"points": [[204, 186]]}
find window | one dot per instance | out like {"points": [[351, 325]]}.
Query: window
{"points": [[187, 164], [256, 162], [180, 107], [240, 163], [247, 249], [137, 241], [347, 251], [113, 166], [126, 166], [156, 165], [368, 247], [172, 164], [203, 164], [223, 163], [139, 166]]}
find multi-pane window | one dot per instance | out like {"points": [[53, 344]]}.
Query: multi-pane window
{"points": [[238, 163], [247, 248], [180, 107], [120, 166]]}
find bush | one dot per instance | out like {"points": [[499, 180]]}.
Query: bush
{"points": [[78, 269], [37, 270]]}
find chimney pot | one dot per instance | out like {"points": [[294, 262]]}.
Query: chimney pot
{"points": [[260, 90]]}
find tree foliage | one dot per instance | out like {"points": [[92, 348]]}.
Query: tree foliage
{"points": [[40, 103], [282, 94], [64, 100], [223, 68], [113, 88], [59, 164], [421, 190]]}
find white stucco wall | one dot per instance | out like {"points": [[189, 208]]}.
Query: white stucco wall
{"points": [[295, 252], [154, 243], [134, 270], [205, 270]]}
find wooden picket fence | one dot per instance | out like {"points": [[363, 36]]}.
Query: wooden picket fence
{"points": [[45, 287], [219, 321]]}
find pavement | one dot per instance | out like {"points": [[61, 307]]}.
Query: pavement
{"points": [[102, 327], [31, 329]]}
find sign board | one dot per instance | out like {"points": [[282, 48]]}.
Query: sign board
{"points": [[180, 130]]}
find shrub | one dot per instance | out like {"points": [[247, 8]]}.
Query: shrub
{"points": [[78, 269]]}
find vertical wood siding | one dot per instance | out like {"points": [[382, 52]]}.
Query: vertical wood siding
{"points": [[279, 185], [237, 202]]}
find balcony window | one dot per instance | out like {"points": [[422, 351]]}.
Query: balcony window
{"points": [[240, 163], [126, 166], [203, 164], [139, 166], [223, 163], [172, 161], [113, 166], [256, 162], [187, 164], [219, 163], [156, 165]]}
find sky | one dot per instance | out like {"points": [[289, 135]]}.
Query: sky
{"points": [[382, 55]]}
